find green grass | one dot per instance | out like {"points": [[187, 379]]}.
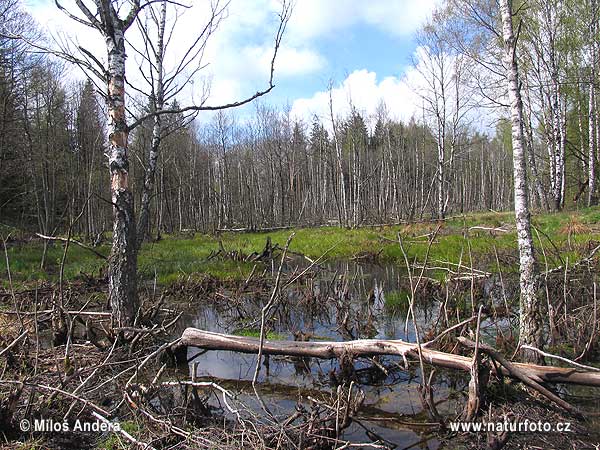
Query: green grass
{"points": [[270, 335], [179, 258], [114, 440], [397, 301]]}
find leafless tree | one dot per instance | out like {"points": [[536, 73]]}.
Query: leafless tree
{"points": [[109, 19]]}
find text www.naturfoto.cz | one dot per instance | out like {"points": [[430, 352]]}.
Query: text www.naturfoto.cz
{"points": [[526, 426]]}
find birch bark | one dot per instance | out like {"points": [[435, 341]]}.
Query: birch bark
{"points": [[122, 289], [157, 105], [530, 315], [592, 141]]}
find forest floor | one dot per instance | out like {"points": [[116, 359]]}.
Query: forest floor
{"points": [[69, 366]]}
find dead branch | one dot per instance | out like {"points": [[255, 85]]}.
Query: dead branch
{"points": [[13, 343], [560, 358], [516, 372], [128, 436], [80, 244], [371, 347]]}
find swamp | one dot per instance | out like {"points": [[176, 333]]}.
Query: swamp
{"points": [[299, 224], [459, 275]]}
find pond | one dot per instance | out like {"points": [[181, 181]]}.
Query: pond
{"points": [[342, 301]]}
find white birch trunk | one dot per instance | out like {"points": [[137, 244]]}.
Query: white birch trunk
{"points": [[530, 325], [440, 177], [592, 199], [340, 166], [593, 142], [157, 105]]}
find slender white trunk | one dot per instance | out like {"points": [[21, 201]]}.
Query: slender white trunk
{"points": [[338, 153], [157, 105], [440, 177], [592, 199], [593, 138], [530, 325]]}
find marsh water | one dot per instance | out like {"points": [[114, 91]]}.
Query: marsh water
{"points": [[341, 301]]}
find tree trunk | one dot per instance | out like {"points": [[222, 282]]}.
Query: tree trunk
{"points": [[440, 177], [530, 325], [123, 259], [340, 166], [592, 199], [157, 105]]}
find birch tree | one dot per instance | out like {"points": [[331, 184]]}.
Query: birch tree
{"points": [[530, 324], [163, 83], [446, 99], [109, 20], [593, 126], [122, 272], [157, 100]]}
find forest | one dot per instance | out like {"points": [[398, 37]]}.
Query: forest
{"points": [[183, 273]]}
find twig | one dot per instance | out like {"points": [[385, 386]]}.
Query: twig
{"points": [[223, 391], [263, 314], [59, 391], [80, 244], [13, 343], [560, 358], [12, 290], [116, 427], [149, 357], [448, 330], [588, 345]]}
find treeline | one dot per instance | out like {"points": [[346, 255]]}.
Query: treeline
{"points": [[266, 171], [52, 138], [271, 170]]}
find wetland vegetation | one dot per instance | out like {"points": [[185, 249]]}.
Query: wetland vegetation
{"points": [[339, 284], [178, 276]]}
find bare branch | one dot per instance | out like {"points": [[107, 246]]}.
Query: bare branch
{"points": [[284, 16]]}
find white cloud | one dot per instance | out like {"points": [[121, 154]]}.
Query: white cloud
{"points": [[297, 61], [403, 97], [254, 62], [314, 18], [362, 90], [239, 53]]}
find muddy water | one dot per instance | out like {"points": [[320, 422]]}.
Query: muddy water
{"points": [[345, 301]]}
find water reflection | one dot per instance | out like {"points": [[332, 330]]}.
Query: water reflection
{"points": [[345, 301]]}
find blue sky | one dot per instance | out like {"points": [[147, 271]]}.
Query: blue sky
{"points": [[365, 47], [360, 46]]}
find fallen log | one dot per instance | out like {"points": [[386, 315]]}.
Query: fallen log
{"points": [[193, 337], [520, 375]]}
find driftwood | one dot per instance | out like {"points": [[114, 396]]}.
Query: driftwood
{"points": [[194, 337], [520, 374]]}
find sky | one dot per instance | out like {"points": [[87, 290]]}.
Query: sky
{"points": [[365, 48]]}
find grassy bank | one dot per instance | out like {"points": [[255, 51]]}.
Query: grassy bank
{"points": [[557, 235]]}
